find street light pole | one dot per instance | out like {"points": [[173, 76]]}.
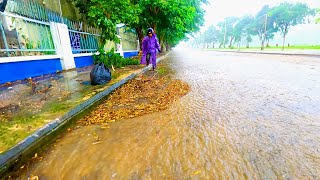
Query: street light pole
{"points": [[265, 27]]}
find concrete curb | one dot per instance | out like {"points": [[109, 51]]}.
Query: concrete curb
{"points": [[270, 53], [12, 154]]}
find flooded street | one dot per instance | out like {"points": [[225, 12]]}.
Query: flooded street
{"points": [[246, 117]]}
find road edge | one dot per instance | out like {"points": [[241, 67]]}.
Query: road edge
{"points": [[269, 53]]}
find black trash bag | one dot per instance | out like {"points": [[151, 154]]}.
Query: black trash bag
{"points": [[100, 74], [3, 4]]}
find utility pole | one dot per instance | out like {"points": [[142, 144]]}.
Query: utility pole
{"points": [[225, 34], [265, 31], [265, 27]]}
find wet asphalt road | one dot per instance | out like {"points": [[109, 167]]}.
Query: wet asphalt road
{"points": [[247, 117]]}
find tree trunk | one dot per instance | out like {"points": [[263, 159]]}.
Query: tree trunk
{"points": [[262, 45], [140, 36], [284, 37], [167, 47], [154, 26], [163, 49], [247, 46], [162, 42], [231, 40], [262, 41]]}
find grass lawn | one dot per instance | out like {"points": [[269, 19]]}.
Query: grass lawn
{"points": [[293, 47]]}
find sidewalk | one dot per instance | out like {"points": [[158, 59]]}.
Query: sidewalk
{"points": [[26, 106], [275, 52], [31, 110]]}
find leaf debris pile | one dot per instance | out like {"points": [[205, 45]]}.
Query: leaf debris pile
{"points": [[138, 97]]}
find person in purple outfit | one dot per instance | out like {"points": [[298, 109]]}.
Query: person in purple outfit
{"points": [[150, 45]]}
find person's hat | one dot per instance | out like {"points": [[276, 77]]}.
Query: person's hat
{"points": [[150, 31]]}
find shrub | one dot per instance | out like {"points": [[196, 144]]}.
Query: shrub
{"points": [[113, 59]]}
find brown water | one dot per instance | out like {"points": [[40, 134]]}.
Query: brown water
{"points": [[246, 117]]}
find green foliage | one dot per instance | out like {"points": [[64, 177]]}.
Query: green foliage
{"points": [[29, 43], [130, 61], [287, 15], [105, 14], [264, 24], [231, 30], [171, 19], [211, 35], [318, 19], [227, 27], [180, 19], [110, 59], [243, 28]]}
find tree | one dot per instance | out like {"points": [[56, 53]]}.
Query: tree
{"points": [[249, 31], [221, 33], [231, 23], [243, 29], [318, 19], [287, 15], [212, 35], [263, 25], [105, 14], [227, 28], [209, 36], [174, 19], [249, 40]]}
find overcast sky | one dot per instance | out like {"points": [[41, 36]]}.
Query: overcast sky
{"points": [[220, 9], [301, 34]]}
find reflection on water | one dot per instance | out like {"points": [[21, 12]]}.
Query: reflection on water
{"points": [[246, 117]]}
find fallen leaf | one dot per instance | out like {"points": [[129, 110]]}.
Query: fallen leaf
{"points": [[137, 98], [96, 142], [35, 156], [34, 177], [114, 175]]}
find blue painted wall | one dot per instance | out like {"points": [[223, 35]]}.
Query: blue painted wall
{"points": [[13, 71], [130, 54], [83, 61], [24, 69]]}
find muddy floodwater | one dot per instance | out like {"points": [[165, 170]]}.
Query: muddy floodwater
{"points": [[246, 117]]}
